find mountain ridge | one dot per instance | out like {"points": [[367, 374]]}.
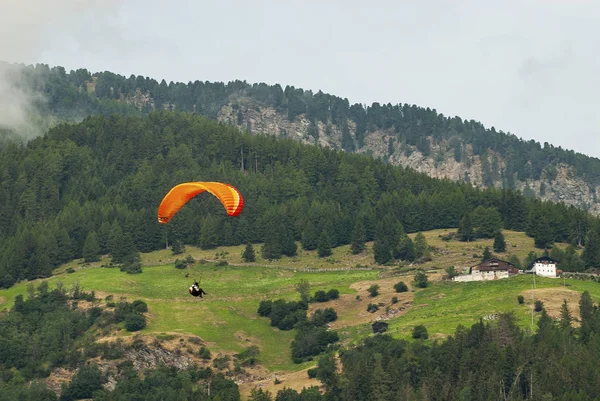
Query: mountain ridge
{"points": [[407, 135]]}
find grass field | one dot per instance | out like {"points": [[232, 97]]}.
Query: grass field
{"points": [[227, 317]]}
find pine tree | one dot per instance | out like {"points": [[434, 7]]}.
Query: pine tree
{"points": [[381, 252], [91, 248], [386, 239], [465, 229], [309, 236], [287, 241], [591, 252], [565, 316], [358, 237], [499, 243], [177, 248], [405, 249], [486, 254], [209, 233], [324, 246], [248, 254], [421, 246]]}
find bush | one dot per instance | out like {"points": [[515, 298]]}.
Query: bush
{"points": [[394, 300], [140, 306], [420, 331], [420, 279], [322, 317], [180, 264], [134, 321], [333, 294], [371, 308], [400, 287], [204, 353], [321, 296], [374, 290], [379, 327], [264, 308], [521, 299]]}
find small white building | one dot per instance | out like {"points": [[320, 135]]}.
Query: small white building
{"points": [[545, 266]]}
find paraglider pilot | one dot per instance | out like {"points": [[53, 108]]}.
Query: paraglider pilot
{"points": [[196, 291]]}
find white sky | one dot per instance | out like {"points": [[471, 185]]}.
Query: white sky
{"points": [[529, 67]]}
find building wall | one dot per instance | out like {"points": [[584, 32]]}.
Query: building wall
{"points": [[547, 270], [481, 276]]}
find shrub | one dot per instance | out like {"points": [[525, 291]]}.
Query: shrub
{"points": [[374, 290], [321, 296], [134, 322], [371, 308], [140, 306], [379, 327], [520, 299], [204, 353], [420, 331], [400, 287], [420, 279]]}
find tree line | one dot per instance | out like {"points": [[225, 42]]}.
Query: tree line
{"points": [[93, 188]]}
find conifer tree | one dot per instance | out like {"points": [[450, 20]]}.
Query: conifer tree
{"points": [[465, 229], [486, 254], [499, 243], [91, 248], [248, 254], [591, 252], [358, 237], [565, 315], [421, 246], [324, 246]]}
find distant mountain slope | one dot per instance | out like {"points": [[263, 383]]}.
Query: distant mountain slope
{"points": [[408, 135]]}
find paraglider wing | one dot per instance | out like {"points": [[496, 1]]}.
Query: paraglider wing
{"points": [[180, 194]]}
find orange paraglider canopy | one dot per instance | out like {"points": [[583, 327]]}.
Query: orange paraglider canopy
{"points": [[180, 194]]}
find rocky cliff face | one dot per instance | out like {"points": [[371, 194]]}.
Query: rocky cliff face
{"points": [[245, 113], [565, 186]]}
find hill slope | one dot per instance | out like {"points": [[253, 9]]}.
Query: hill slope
{"points": [[227, 323], [407, 135], [93, 188]]}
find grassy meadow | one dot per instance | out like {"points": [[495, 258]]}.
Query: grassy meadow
{"points": [[226, 318]]}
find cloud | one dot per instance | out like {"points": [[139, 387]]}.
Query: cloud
{"points": [[17, 103], [27, 29]]}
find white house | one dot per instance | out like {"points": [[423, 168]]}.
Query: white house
{"points": [[545, 266]]}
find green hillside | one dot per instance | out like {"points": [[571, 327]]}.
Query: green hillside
{"points": [[227, 317], [95, 187]]}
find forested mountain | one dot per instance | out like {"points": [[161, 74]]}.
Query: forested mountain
{"points": [[94, 187], [402, 134]]}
